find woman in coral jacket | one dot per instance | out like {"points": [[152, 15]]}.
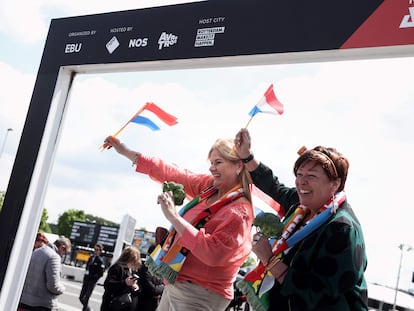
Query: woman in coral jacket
{"points": [[211, 236]]}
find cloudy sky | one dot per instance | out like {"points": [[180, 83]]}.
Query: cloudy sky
{"points": [[363, 108]]}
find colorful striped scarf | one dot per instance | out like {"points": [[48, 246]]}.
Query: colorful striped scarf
{"points": [[167, 260], [257, 283]]}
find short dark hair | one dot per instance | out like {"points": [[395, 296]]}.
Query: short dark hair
{"points": [[100, 246], [334, 163], [65, 242]]}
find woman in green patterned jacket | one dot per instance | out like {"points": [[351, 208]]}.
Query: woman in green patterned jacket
{"points": [[322, 266]]}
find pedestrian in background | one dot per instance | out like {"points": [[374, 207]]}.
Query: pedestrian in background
{"points": [[120, 279], [43, 285], [94, 270], [151, 287], [40, 241]]}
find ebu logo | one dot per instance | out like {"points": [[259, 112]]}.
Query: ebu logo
{"points": [[73, 48]]}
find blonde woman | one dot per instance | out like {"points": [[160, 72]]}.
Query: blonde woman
{"points": [[210, 240]]}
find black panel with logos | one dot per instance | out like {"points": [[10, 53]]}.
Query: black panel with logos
{"points": [[205, 29]]}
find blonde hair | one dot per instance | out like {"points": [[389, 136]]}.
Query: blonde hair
{"points": [[225, 147], [132, 255]]}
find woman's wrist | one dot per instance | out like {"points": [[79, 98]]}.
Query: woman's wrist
{"points": [[277, 268], [248, 158], [280, 277], [249, 161], [135, 159], [269, 259], [131, 155], [273, 261], [252, 164]]}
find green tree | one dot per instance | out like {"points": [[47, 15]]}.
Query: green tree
{"points": [[44, 226], [100, 220], [54, 228], [65, 221]]}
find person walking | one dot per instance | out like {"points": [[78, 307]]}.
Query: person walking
{"points": [[43, 285], [94, 270]]}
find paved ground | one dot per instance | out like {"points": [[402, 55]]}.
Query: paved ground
{"points": [[69, 301]]}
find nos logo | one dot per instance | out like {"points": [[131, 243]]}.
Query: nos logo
{"points": [[136, 43]]}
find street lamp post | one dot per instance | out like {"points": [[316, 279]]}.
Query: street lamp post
{"points": [[401, 247], [4, 141]]}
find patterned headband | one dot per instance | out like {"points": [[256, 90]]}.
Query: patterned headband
{"points": [[325, 159]]}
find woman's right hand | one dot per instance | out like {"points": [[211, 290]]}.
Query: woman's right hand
{"points": [[131, 282], [112, 141]]}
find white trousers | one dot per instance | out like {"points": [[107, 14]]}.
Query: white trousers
{"points": [[186, 296]]}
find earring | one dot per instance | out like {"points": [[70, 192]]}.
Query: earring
{"points": [[334, 204]]}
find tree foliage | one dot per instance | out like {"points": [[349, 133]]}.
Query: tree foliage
{"points": [[65, 221], [100, 220], [44, 226]]}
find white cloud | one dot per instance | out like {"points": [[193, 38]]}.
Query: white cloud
{"points": [[23, 20], [15, 93]]}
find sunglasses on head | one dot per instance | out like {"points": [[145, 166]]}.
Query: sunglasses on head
{"points": [[320, 157]]}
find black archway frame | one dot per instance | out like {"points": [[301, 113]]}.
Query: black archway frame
{"points": [[195, 35]]}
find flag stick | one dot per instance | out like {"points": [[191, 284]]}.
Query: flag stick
{"points": [[129, 121], [250, 120]]}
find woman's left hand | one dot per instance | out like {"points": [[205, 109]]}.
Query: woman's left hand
{"points": [[261, 247], [166, 201]]}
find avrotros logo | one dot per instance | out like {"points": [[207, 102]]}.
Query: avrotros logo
{"points": [[408, 20], [166, 40]]}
